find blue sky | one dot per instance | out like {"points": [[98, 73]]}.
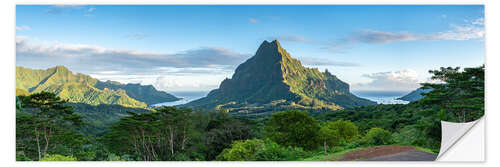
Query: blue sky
{"points": [[193, 48]]}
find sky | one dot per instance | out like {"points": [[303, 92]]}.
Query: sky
{"points": [[193, 48]]}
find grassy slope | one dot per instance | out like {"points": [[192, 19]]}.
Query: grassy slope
{"points": [[22, 92], [27, 78], [434, 151]]}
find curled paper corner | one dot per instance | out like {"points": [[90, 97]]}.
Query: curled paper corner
{"points": [[452, 132]]}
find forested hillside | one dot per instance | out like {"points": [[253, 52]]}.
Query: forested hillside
{"points": [[48, 128], [81, 88], [147, 93], [414, 95]]}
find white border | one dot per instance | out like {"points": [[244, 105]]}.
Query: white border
{"points": [[7, 65]]}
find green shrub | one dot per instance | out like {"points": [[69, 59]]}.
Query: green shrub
{"points": [[354, 144], [57, 157], [261, 150], [346, 129], [127, 157], [421, 141], [407, 135], [113, 157], [378, 136], [338, 133], [20, 156], [411, 135], [336, 149], [293, 128], [271, 152], [181, 157], [242, 150], [86, 155], [274, 152]]}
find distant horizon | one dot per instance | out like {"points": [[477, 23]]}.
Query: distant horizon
{"points": [[175, 92], [179, 48]]}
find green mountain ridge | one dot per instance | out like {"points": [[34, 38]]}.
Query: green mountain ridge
{"points": [[81, 88], [272, 79], [145, 93], [414, 95]]}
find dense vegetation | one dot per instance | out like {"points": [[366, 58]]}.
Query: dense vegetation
{"points": [[48, 128], [460, 94], [174, 134], [81, 88], [99, 118]]}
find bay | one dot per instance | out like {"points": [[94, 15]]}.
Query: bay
{"points": [[382, 97], [186, 98]]}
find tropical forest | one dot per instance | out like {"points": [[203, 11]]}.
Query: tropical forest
{"points": [[271, 109]]}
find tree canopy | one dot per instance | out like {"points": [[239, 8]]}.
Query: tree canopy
{"points": [[458, 92], [293, 128], [44, 125]]}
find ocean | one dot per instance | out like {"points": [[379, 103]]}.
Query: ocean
{"points": [[186, 98], [381, 97]]}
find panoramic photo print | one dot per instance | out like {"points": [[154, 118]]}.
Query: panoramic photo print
{"points": [[244, 82]]}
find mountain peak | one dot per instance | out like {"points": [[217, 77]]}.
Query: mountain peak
{"points": [[61, 68], [270, 51], [272, 75], [275, 42], [272, 44]]}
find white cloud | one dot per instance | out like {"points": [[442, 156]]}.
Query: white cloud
{"points": [[22, 28], [479, 21], [469, 30], [20, 39], [405, 80], [372, 36], [170, 79], [64, 9], [54, 52], [188, 82], [60, 9], [473, 31], [144, 79], [108, 72], [129, 66], [253, 20], [168, 83]]}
